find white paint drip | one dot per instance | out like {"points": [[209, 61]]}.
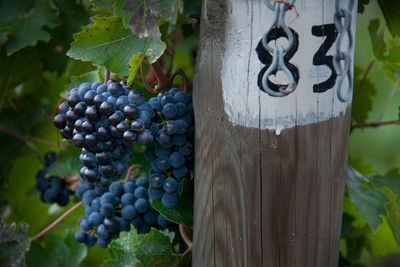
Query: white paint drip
{"points": [[244, 103]]}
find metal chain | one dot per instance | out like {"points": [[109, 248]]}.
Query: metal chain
{"points": [[278, 63], [343, 21]]}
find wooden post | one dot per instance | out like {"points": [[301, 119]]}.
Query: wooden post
{"points": [[269, 171]]}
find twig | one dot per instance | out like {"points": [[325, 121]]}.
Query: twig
{"points": [[375, 124], [45, 142], [148, 87], [54, 224], [187, 235], [18, 136], [184, 78], [389, 100], [162, 80], [106, 77], [364, 78], [129, 173]]}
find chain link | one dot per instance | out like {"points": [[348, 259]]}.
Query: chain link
{"points": [[278, 52], [343, 21]]}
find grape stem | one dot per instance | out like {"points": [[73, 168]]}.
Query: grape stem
{"points": [[364, 78], [375, 124], [106, 76], [148, 87], [187, 235], [59, 219], [162, 80], [129, 173], [17, 136], [184, 78], [389, 100], [38, 140]]}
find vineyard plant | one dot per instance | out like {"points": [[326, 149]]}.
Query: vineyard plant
{"points": [[97, 134]]}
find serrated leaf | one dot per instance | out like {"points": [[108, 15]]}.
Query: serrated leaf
{"points": [[167, 9], [183, 212], [17, 68], [134, 65], [123, 249], [14, 244], [155, 249], [377, 38], [57, 250], [68, 163], [107, 43], [361, 167], [369, 202], [136, 15], [363, 97], [392, 59], [391, 11], [25, 22], [390, 180], [104, 8]]}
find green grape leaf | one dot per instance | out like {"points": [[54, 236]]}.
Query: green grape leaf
{"points": [[390, 180], [3, 37], [26, 22], [107, 43], [155, 249], [361, 5], [136, 15], [361, 167], [68, 163], [142, 17], [167, 9], [14, 244], [392, 60], [369, 202], [186, 260], [123, 249], [183, 212], [363, 97], [103, 7], [134, 65], [376, 34], [391, 11], [57, 250], [17, 68]]}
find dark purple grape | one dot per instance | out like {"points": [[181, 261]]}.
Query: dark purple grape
{"points": [[131, 111], [60, 121], [91, 113], [89, 97], [73, 100], [87, 127], [80, 109], [106, 108], [129, 138]]}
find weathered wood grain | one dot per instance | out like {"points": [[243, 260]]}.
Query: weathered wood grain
{"points": [[262, 197]]}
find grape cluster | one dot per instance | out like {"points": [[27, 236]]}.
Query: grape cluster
{"points": [[172, 156], [105, 121], [115, 210], [52, 189]]}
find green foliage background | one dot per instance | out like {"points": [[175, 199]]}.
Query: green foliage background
{"points": [[35, 39]]}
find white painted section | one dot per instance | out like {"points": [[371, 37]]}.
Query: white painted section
{"points": [[244, 103]]}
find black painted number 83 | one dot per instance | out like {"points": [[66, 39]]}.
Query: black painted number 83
{"points": [[320, 58]]}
